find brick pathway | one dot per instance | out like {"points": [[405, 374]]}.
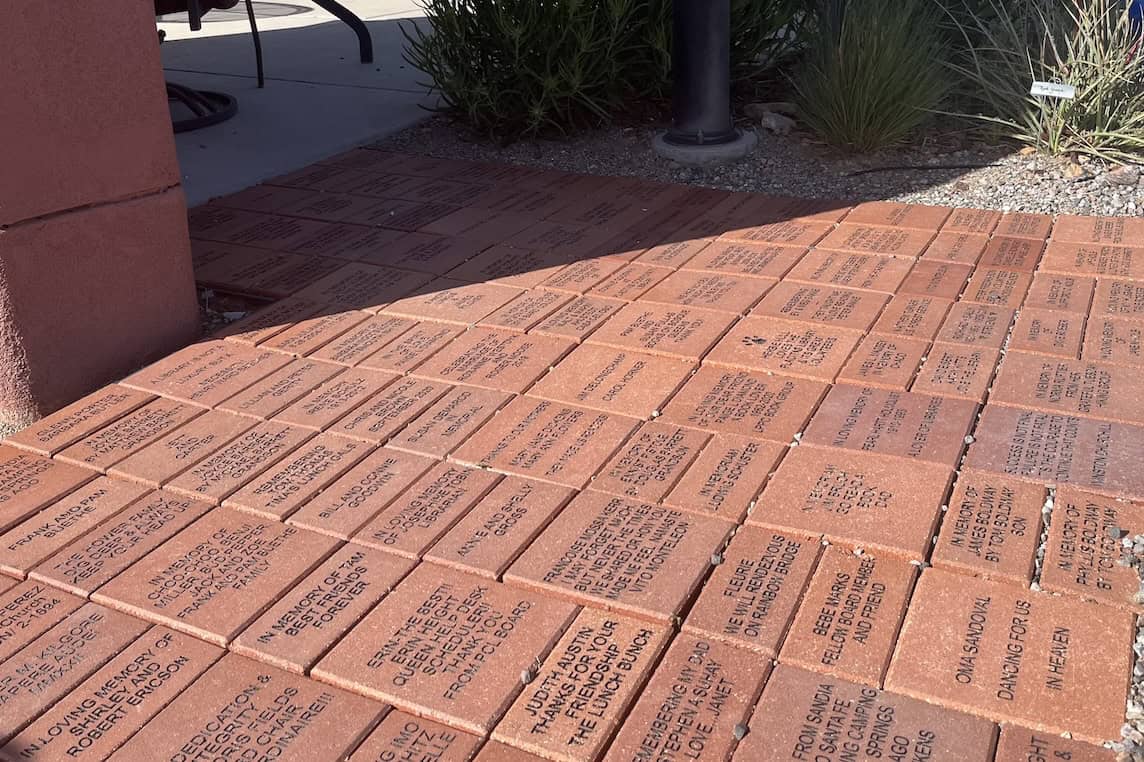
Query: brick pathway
{"points": [[523, 463]]}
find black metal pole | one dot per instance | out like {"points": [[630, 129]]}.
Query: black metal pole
{"points": [[701, 63]]}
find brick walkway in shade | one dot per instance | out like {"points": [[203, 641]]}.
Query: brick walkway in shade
{"points": [[526, 465]]}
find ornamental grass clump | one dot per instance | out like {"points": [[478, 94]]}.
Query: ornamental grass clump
{"points": [[872, 73], [1093, 45]]}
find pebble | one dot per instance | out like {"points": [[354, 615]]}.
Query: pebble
{"points": [[795, 165]]}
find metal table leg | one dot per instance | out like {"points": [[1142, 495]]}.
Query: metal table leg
{"points": [[355, 23]]}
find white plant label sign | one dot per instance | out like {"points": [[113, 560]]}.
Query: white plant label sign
{"points": [[1053, 90]]}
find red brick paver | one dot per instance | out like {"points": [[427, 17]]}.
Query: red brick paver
{"points": [[530, 466]]}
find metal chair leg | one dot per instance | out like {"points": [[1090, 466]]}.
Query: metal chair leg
{"points": [[257, 43], [365, 43]]}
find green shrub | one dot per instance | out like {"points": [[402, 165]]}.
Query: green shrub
{"points": [[872, 73], [1086, 43], [525, 67], [512, 67]]}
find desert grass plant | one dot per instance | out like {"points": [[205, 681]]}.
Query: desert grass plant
{"points": [[872, 73], [525, 67], [1091, 44]]}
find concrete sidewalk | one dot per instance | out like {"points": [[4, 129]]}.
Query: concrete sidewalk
{"points": [[318, 100]]}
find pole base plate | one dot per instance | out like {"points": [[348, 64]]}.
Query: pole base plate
{"points": [[709, 153]]}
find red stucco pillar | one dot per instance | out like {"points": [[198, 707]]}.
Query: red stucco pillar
{"points": [[95, 268]]}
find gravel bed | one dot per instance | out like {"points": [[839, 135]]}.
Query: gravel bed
{"points": [[794, 165]]}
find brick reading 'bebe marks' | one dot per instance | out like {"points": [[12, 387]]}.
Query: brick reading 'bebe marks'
{"points": [[162, 460], [806, 716], [650, 462], [501, 360], [28, 482], [217, 575], [1059, 449], [102, 553], [445, 425], [299, 476], [26, 544], [349, 503], [241, 709], [614, 380], [467, 684], [312, 616], [726, 477], [118, 440], [1018, 744], [750, 598], [740, 402], [1054, 664], [51, 665], [493, 533], [1073, 387], [580, 693], [849, 616], [206, 374], [992, 528], [855, 499], [55, 432], [227, 470], [117, 700], [663, 329], [546, 440], [632, 557], [28, 610], [401, 736], [888, 422], [700, 692], [1083, 552], [438, 500], [783, 346]]}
